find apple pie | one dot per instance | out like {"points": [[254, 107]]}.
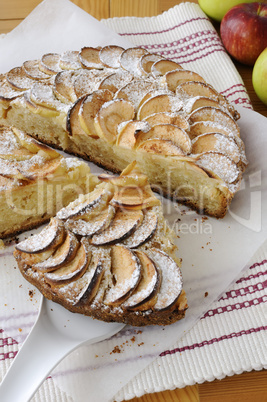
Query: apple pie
{"points": [[35, 181], [110, 255], [113, 106]]}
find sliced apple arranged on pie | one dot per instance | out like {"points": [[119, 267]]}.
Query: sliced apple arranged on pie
{"points": [[109, 254]]}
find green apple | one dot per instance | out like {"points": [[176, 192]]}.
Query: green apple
{"points": [[216, 9], [259, 76]]}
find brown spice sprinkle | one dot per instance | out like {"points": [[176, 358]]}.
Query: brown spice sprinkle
{"points": [[31, 293], [116, 350], [206, 294]]}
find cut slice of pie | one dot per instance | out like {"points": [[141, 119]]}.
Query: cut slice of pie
{"points": [[35, 181], [109, 254]]}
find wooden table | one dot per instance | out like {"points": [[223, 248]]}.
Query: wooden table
{"points": [[248, 387]]}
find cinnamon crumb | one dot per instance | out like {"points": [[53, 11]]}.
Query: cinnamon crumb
{"points": [[133, 339], [116, 350], [20, 329], [206, 294], [140, 344]]}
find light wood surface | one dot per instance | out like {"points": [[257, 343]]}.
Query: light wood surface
{"points": [[246, 387]]}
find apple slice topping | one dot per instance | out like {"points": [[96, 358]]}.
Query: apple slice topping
{"points": [[199, 101], [73, 269], [147, 60], [135, 91], [93, 277], [128, 132], [49, 63], [18, 79], [145, 296], [195, 88], [43, 95], [49, 238], [42, 110], [167, 118], [144, 232], [73, 125], [205, 127], [69, 60], [161, 67], [64, 254], [82, 290], [89, 108], [32, 259], [34, 146], [133, 179], [89, 58], [174, 78], [114, 82], [128, 196], [171, 284], [110, 56], [39, 168], [10, 146], [86, 203], [167, 132], [161, 147], [219, 165], [63, 86], [134, 197], [110, 115], [7, 93], [31, 68], [217, 143], [215, 115], [8, 142], [88, 81], [130, 59], [159, 103], [94, 225], [126, 270], [122, 225]]}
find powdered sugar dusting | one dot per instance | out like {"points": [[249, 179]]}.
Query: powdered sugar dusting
{"points": [[219, 164]]}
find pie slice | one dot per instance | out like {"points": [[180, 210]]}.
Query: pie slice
{"points": [[35, 181], [113, 260]]}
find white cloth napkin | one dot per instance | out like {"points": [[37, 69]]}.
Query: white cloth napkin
{"points": [[232, 328]]}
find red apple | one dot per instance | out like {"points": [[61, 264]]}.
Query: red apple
{"points": [[244, 31]]}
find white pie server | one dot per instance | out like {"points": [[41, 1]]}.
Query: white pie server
{"points": [[55, 334]]}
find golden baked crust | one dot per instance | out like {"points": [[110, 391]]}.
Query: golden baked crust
{"points": [[110, 255], [114, 106], [35, 181]]}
